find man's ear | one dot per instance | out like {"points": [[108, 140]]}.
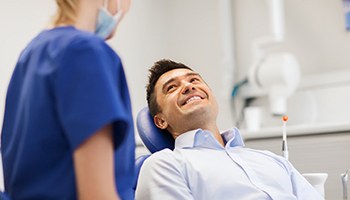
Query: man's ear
{"points": [[160, 122]]}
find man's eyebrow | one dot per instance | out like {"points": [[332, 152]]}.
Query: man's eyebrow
{"points": [[192, 74], [173, 79]]}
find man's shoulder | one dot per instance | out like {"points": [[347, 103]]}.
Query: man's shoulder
{"points": [[160, 156], [163, 158]]}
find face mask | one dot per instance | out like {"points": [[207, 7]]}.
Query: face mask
{"points": [[106, 23]]}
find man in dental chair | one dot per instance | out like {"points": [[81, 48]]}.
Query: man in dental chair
{"points": [[205, 163]]}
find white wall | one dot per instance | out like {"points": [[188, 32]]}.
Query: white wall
{"points": [[20, 20], [314, 32]]}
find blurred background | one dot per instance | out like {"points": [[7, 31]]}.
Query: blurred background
{"points": [[224, 40]]}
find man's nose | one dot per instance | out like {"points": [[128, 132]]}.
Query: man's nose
{"points": [[187, 88]]}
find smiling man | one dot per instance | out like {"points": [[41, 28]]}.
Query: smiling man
{"points": [[205, 163]]}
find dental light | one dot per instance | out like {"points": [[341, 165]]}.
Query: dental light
{"points": [[276, 75]]}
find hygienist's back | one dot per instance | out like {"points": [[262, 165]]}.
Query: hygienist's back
{"points": [[68, 128]]}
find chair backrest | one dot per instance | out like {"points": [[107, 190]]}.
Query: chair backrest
{"points": [[153, 138], [138, 164]]}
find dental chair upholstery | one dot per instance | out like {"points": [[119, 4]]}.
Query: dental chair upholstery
{"points": [[152, 137]]}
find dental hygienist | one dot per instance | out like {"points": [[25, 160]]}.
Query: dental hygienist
{"points": [[68, 129]]}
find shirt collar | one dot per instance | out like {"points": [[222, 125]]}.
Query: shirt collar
{"points": [[205, 139], [233, 138]]}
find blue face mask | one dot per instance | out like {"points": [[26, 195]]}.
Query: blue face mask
{"points": [[106, 23]]}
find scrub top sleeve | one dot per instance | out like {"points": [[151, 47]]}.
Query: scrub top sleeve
{"points": [[88, 91]]}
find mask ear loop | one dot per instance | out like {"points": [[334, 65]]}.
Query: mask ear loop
{"points": [[120, 11]]}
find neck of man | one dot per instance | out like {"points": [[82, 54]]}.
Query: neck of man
{"points": [[216, 133], [211, 127]]}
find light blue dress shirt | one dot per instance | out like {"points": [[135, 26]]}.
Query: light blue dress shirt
{"points": [[200, 168]]}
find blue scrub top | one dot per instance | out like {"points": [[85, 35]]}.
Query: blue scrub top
{"points": [[67, 84]]}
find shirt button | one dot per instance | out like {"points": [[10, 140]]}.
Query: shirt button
{"points": [[206, 135]]}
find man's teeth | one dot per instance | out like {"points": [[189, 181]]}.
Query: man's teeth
{"points": [[193, 98]]}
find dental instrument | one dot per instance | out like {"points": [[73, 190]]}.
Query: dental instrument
{"points": [[344, 180], [284, 142]]}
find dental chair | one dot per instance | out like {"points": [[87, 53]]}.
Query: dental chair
{"points": [[152, 137]]}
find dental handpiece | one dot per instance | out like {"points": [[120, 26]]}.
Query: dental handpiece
{"points": [[284, 142], [344, 180]]}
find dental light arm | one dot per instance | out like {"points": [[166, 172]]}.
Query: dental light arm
{"points": [[278, 75]]}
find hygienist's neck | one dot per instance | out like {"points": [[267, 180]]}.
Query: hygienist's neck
{"points": [[85, 20]]}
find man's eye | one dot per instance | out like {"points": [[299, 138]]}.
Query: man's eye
{"points": [[194, 80], [170, 88]]}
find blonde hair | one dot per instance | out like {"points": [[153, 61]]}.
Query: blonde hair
{"points": [[66, 12]]}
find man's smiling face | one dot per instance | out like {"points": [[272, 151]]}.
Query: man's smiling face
{"points": [[184, 100]]}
